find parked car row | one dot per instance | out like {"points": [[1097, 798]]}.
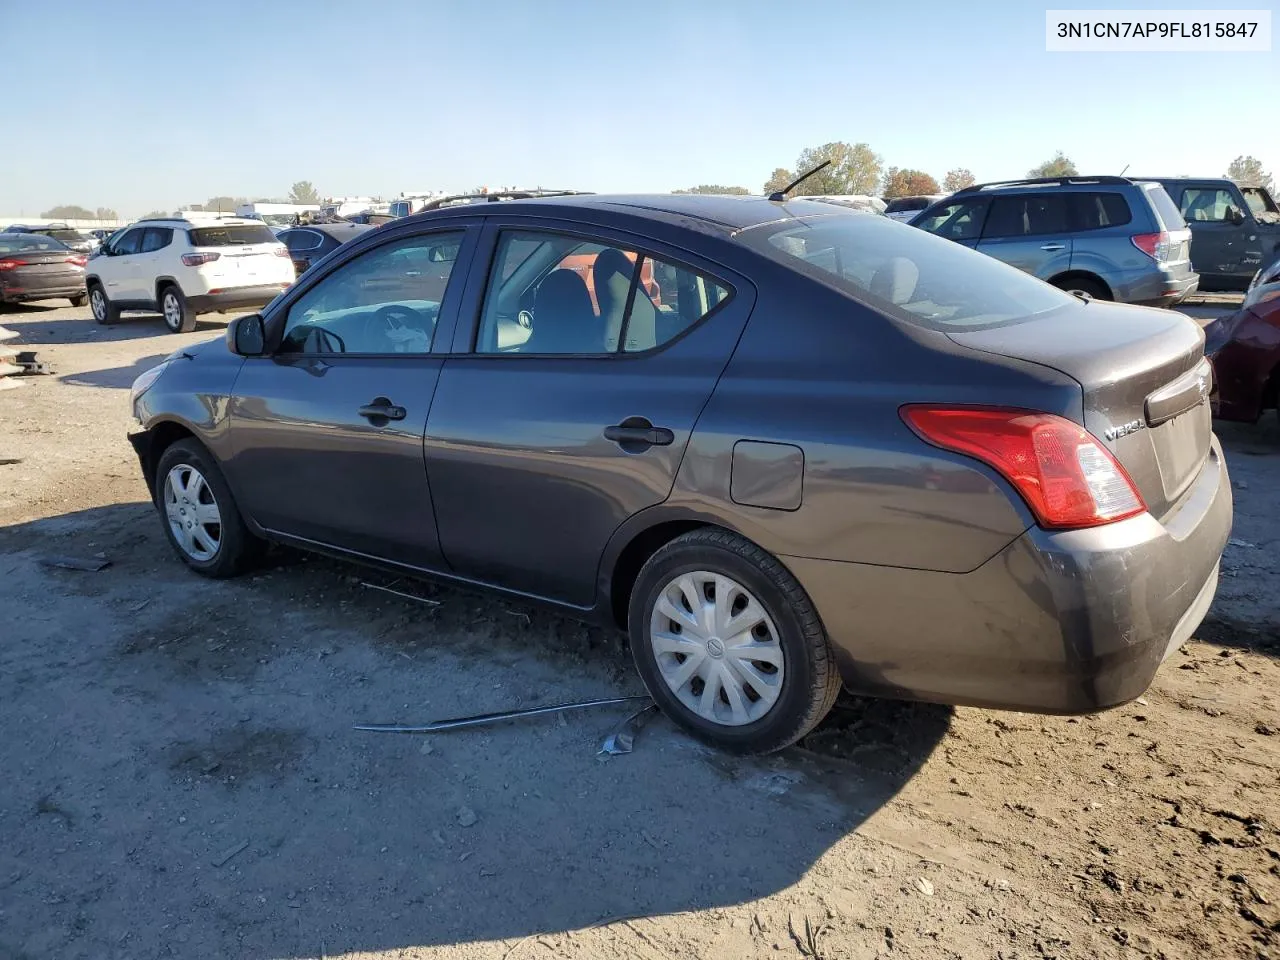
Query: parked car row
{"points": [[75, 239], [786, 446]]}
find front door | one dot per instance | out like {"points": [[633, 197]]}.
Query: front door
{"points": [[570, 409], [1215, 237], [1029, 231], [120, 270], [326, 432]]}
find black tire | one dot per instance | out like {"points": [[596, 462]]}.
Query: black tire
{"points": [[178, 315], [237, 548], [1083, 285], [810, 680], [79, 301], [104, 311]]}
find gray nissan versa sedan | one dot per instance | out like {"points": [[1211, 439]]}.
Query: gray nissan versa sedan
{"points": [[786, 446]]}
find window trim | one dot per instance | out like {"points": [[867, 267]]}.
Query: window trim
{"points": [[490, 245], [279, 315], [1053, 194]]}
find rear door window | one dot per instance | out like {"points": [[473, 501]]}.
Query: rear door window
{"points": [[1026, 215], [156, 238], [231, 236], [1097, 211]]}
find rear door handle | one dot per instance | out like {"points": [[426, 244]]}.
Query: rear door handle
{"points": [[382, 409], [1054, 246], [639, 432]]}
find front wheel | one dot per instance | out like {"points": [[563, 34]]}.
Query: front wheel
{"points": [[103, 310], [729, 645], [178, 315], [200, 516]]}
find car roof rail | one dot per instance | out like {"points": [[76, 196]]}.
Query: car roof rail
{"points": [[495, 195], [1034, 181]]}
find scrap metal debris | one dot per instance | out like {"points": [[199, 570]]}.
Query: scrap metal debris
{"points": [[482, 719], [26, 359], [226, 855], [623, 737], [400, 593], [91, 564]]}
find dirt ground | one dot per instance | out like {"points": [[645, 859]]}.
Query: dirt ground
{"points": [[179, 776]]}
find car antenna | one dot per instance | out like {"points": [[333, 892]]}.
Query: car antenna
{"points": [[780, 195], [1126, 167]]}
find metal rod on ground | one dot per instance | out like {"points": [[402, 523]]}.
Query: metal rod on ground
{"points": [[484, 718], [400, 593]]}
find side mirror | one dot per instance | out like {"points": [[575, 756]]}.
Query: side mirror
{"points": [[247, 336]]}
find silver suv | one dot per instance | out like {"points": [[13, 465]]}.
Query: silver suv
{"points": [[1108, 237]]}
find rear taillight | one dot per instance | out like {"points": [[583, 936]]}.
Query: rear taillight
{"points": [[1065, 475], [12, 264], [1154, 245], [195, 259], [281, 251], [78, 261]]}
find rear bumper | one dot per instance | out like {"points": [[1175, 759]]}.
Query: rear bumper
{"points": [[1057, 622], [1171, 290], [16, 292], [236, 298]]}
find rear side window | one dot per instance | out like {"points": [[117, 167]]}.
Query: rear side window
{"points": [[300, 240], [230, 236], [907, 274], [1096, 211], [156, 238], [1026, 215], [1166, 210]]}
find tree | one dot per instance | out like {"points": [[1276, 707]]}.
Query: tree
{"points": [[223, 204], [855, 168], [154, 215], [957, 179], [908, 183], [715, 188], [1059, 166], [68, 211], [106, 213], [1247, 172], [304, 191]]}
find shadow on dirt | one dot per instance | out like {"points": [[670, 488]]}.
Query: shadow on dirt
{"points": [[206, 753], [115, 377], [37, 327]]}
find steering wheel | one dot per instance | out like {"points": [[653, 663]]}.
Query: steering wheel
{"points": [[320, 340], [406, 329]]}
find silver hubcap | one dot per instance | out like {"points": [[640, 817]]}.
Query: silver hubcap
{"points": [[716, 648], [99, 304], [192, 512], [172, 311]]}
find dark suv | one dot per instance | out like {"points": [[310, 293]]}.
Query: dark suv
{"points": [[1112, 238]]}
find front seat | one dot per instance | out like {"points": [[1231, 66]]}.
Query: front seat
{"points": [[895, 280], [563, 320], [611, 276]]}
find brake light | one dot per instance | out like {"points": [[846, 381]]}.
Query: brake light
{"points": [[281, 251], [78, 261], [12, 264], [1154, 245], [195, 259], [1065, 475]]}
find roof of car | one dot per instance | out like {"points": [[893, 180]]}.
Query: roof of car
{"points": [[339, 231], [723, 212]]}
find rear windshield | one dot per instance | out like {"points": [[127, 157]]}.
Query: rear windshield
{"points": [[231, 236], [401, 208], [15, 242], [1166, 209], [907, 273], [65, 235], [905, 204]]}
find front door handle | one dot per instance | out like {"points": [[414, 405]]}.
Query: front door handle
{"points": [[639, 432], [1054, 246], [382, 409]]}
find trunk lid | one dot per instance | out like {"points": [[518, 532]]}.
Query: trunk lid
{"points": [[1145, 385]]}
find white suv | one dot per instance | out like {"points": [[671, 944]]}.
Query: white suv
{"points": [[185, 266]]}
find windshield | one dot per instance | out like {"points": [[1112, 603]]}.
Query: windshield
{"points": [[907, 273], [1259, 200], [17, 242], [231, 236]]}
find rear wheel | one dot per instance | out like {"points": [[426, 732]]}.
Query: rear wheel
{"points": [[79, 301], [1083, 285], [200, 516], [178, 315], [729, 644], [103, 310]]}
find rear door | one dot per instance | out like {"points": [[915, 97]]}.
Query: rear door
{"points": [[1029, 231], [1216, 241], [567, 405], [154, 241], [326, 432]]}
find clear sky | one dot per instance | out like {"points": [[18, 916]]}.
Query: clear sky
{"points": [[143, 104]]}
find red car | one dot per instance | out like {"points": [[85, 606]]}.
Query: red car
{"points": [[1244, 349]]}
